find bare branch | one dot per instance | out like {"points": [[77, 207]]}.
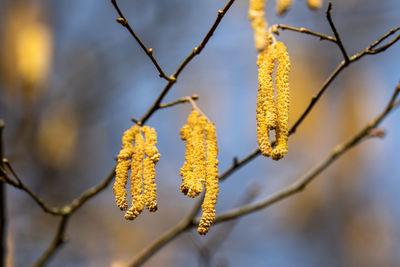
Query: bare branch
{"points": [[58, 239], [184, 99], [303, 30], [197, 50], [338, 40], [149, 51], [20, 185], [88, 194]]}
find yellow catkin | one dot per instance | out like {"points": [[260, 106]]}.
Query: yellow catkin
{"points": [[282, 97], [199, 157], [282, 6], [258, 23], [149, 163], [273, 114], [314, 4], [136, 178], [211, 181], [187, 135], [266, 105], [123, 166]]}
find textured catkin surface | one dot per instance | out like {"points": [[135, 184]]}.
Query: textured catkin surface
{"points": [[266, 105], [282, 85], [187, 134], [123, 166], [273, 114], [149, 172], [136, 178], [211, 181]]}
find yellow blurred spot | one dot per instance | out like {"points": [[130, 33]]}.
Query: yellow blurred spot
{"points": [[33, 52], [57, 136]]}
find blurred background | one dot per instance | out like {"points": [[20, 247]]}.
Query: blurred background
{"points": [[71, 78]]}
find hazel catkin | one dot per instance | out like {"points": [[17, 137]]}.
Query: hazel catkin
{"points": [[149, 172], [142, 171], [187, 168], [273, 114], [201, 165], [211, 180], [258, 23], [282, 97]]}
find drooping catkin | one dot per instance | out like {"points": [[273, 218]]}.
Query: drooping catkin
{"points": [[282, 96], [282, 6], [201, 165], [211, 180], [258, 23], [149, 164], [123, 166], [273, 114], [314, 4], [266, 105], [199, 157], [188, 136], [136, 178]]}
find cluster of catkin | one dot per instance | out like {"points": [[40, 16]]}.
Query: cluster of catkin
{"points": [[201, 165], [141, 160], [273, 114]]}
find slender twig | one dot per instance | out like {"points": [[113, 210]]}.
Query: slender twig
{"points": [[197, 50], [58, 239], [149, 51], [302, 182], [20, 185], [179, 101], [303, 30], [335, 32], [88, 194], [3, 207]]}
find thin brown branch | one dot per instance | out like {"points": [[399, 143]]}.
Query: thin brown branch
{"points": [[20, 185], [3, 207], [58, 240], [149, 51], [196, 51], [335, 32], [303, 30], [88, 194], [179, 101], [307, 178]]}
